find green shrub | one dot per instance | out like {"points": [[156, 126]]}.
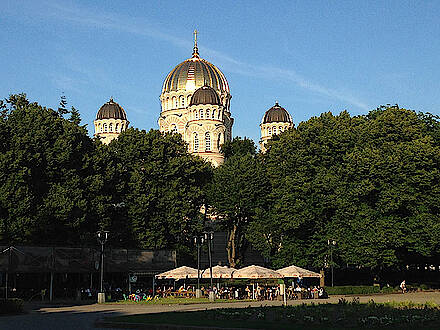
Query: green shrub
{"points": [[389, 289], [11, 306], [352, 289]]}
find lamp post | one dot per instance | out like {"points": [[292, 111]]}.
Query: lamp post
{"points": [[198, 240], [331, 244], [102, 236], [209, 236]]}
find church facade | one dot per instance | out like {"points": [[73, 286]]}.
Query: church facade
{"points": [[195, 103]]}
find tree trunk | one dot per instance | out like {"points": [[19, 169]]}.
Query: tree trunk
{"points": [[233, 247]]}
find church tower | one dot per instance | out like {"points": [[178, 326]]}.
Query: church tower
{"points": [[195, 103], [110, 121], [275, 121]]}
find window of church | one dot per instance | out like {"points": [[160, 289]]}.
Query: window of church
{"points": [[208, 113], [213, 114], [175, 101], [167, 104], [110, 128], [100, 128], [196, 142], [196, 114], [207, 141], [269, 130], [218, 140], [182, 101], [117, 128], [188, 99], [201, 114], [280, 129], [105, 128]]}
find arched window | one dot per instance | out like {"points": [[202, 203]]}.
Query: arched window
{"points": [[269, 131], [208, 113], [197, 114], [182, 101], [105, 128], [100, 128], [117, 128], [218, 116], [218, 140], [280, 129], [196, 142], [188, 99], [201, 114], [207, 141], [167, 104], [175, 101], [213, 114], [110, 128], [173, 128]]}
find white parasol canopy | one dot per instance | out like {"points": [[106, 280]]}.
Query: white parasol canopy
{"points": [[256, 272], [219, 272], [294, 271], [179, 273]]}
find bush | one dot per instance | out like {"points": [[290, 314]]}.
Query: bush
{"points": [[11, 306], [352, 289], [389, 289]]}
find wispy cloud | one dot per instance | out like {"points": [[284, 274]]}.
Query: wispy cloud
{"points": [[131, 25]]}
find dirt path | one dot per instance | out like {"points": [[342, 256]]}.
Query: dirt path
{"points": [[41, 316]]}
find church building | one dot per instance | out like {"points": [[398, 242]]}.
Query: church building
{"points": [[195, 103]]}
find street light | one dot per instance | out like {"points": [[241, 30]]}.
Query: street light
{"points": [[209, 236], [102, 236], [331, 243], [198, 241]]}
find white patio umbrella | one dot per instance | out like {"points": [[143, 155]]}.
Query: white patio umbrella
{"points": [[256, 272], [179, 273], [295, 271], [219, 272]]}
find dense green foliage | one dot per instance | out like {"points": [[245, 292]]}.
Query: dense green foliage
{"points": [[237, 194], [59, 186], [370, 182], [44, 165]]}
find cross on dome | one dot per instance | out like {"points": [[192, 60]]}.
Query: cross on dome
{"points": [[195, 49]]}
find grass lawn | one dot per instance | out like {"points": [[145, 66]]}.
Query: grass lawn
{"points": [[173, 300], [321, 316]]}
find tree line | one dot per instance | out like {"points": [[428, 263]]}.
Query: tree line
{"points": [[371, 183]]}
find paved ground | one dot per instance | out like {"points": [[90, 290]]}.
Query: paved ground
{"points": [[42, 316]]}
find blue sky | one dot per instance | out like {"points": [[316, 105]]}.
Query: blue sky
{"points": [[311, 56]]}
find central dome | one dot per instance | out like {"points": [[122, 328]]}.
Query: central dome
{"points": [[194, 73]]}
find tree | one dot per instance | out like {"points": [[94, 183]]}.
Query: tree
{"points": [[237, 195], [43, 166], [370, 182], [157, 185], [238, 146]]}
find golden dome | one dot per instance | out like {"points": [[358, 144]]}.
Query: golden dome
{"points": [[193, 74]]}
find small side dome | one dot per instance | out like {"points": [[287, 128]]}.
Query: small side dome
{"points": [[205, 95], [111, 110], [276, 114]]}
